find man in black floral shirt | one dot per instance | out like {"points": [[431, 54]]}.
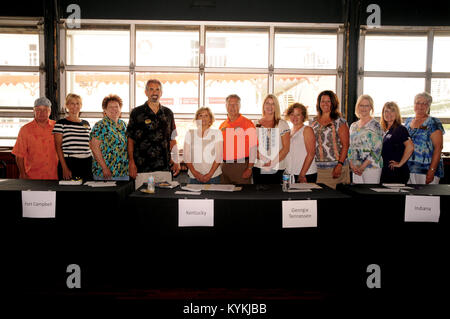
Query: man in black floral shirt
{"points": [[151, 135]]}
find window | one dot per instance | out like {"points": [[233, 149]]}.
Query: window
{"points": [[200, 64], [167, 46], [97, 47], [240, 48], [305, 64], [397, 63], [305, 51], [96, 63], [394, 66], [180, 90], [21, 80]]}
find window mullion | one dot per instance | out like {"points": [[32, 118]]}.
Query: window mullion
{"points": [[270, 80], [132, 73], [430, 43], [201, 63], [62, 63], [360, 75]]}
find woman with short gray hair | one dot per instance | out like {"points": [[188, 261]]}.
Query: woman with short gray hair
{"points": [[425, 164]]}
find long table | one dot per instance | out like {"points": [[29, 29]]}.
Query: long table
{"points": [[126, 240], [412, 255], [246, 247], [85, 231]]}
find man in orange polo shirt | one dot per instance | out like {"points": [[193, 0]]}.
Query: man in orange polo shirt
{"points": [[239, 144], [35, 147]]}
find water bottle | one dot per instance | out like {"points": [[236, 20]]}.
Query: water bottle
{"points": [[291, 180], [151, 184], [286, 178]]}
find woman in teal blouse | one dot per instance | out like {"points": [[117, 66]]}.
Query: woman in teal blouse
{"points": [[109, 143], [425, 164], [366, 141]]}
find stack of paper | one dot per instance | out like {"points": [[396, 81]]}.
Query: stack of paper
{"points": [[100, 184], [171, 184], [210, 187], [388, 190], [187, 193], [396, 186], [304, 186], [71, 182]]}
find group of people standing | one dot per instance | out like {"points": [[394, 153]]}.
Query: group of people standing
{"points": [[389, 152], [327, 151], [46, 149], [241, 151]]}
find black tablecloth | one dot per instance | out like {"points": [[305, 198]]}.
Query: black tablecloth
{"points": [[247, 247], [247, 211], [412, 255], [86, 230], [125, 240]]}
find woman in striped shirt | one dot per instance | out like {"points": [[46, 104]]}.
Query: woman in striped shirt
{"points": [[72, 142]]}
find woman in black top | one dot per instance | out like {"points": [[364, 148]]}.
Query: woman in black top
{"points": [[397, 146]]}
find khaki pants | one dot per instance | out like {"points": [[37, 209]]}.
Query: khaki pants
{"points": [[324, 176]]}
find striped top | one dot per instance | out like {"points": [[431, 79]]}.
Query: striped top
{"points": [[75, 140]]}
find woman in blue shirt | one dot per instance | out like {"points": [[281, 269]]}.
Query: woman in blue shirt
{"points": [[425, 164]]}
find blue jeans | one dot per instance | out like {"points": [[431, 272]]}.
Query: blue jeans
{"points": [[214, 180], [119, 178]]}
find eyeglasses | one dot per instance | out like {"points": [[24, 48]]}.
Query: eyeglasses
{"points": [[421, 103], [364, 105]]}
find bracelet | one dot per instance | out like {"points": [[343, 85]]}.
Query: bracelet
{"points": [[342, 163], [433, 169]]}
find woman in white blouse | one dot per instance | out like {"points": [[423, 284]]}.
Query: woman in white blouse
{"points": [[203, 149], [273, 143], [300, 160]]}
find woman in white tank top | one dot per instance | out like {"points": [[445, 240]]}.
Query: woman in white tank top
{"points": [[300, 160]]}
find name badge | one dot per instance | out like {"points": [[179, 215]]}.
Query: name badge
{"points": [[195, 212], [299, 213]]}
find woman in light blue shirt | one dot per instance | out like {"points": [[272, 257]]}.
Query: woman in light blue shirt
{"points": [[425, 164]]}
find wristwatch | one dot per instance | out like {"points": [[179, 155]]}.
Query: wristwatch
{"points": [[342, 163], [433, 169]]}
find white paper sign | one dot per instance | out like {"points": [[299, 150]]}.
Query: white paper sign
{"points": [[195, 212], [299, 213], [422, 209], [38, 204]]}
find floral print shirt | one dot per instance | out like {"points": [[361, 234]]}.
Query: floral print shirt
{"points": [[366, 143], [113, 147], [420, 160]]}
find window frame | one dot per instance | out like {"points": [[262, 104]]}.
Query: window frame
{"points": [[427, 74], [10, 111], [201, 70]]}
